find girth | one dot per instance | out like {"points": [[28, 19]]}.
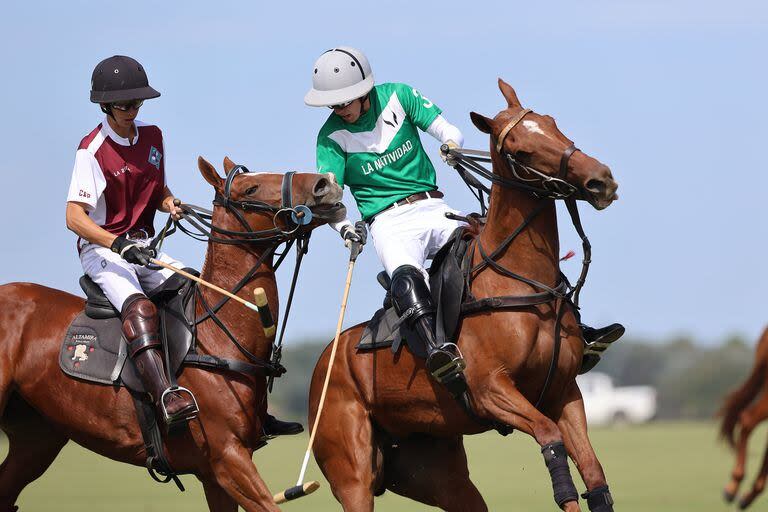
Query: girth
{"points": [[512, 301]]}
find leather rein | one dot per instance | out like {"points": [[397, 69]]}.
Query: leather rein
{"points": [[289, 231], [542, 186]]}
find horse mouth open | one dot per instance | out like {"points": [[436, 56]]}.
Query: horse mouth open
{"points": [[327, 203], [335, 212]]}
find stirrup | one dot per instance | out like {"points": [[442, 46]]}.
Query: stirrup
{"points": [[449, 371], [183, 416]]}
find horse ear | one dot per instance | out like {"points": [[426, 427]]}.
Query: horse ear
{"points": [[509, 94], [228, 164], [209, 173], [481, 122]]}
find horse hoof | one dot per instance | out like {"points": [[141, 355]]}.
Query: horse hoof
{"points": [[729, 496], [744, 503]]}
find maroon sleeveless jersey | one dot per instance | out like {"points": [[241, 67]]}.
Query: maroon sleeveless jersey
{"points": [[121, 183]]}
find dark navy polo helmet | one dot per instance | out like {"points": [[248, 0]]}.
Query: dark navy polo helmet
{"points": [[119, 79]]}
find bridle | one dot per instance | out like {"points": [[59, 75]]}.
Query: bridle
{"points": [[551, 187], [287, 218], [289, 227]]}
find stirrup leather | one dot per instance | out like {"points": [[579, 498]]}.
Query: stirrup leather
{"points": [[185, 416], [454, 368]]}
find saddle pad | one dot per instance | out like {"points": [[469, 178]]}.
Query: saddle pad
{"points": [[93, 350], [381, 333]]}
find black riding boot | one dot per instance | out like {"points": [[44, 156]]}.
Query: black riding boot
{"points": [[412, 300], [274, 427], [596, 341], [140, 329]]}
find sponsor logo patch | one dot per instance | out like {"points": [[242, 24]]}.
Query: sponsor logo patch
{"points": [[155, 156], [81, 345]]}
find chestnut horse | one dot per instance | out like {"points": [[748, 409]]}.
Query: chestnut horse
{"points": [[388, 425], [743, 410], [42, 408]]}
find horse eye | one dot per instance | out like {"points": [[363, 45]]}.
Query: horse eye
{"points": [[251, 190]]}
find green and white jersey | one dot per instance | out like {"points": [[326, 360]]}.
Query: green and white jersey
{"points": [[380, 156]]}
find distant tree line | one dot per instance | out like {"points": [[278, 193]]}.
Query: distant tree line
{"points": [[691, 379]]}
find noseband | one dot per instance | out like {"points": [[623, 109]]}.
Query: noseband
{"points": [[293, 216]]}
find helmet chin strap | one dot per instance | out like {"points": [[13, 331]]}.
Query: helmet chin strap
{"points": [[107, 110]]}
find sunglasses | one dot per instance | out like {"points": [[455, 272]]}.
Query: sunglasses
{"points": [[130, 105], [340, 106]]}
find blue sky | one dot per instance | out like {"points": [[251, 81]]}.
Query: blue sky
{"points": [[669, 94]]}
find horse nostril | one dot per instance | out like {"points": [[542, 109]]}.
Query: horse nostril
{"points": [[321, 187], [597, 187]]}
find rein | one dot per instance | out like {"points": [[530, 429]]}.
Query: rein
{"points": [[541, 186], [202, 229]]}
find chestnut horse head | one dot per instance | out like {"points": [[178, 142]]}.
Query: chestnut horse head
{"points": [[262, 201], [537, 152]]}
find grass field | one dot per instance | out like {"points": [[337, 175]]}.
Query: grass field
{"points": [[657, 467]]}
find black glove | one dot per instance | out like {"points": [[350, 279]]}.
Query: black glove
{"points": [[357, 234], [131, 251]]}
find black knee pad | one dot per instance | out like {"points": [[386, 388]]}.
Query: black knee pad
{"points": [[556, 459], [409, 290]]}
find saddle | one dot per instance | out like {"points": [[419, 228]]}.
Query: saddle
{"points": [[448, 284], [95, 350]]}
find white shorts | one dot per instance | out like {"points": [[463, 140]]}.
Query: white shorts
{"points": [[413, 233], [120, 279]]}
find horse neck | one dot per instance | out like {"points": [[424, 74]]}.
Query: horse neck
{"points": [[225, 265], [534, 252]]}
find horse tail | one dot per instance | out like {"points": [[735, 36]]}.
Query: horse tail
{"points": [[740, 398]]}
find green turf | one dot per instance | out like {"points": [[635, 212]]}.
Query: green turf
{"points": [[658, 467]]}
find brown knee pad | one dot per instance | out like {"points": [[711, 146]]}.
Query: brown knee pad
{"points": [[140, 324]]}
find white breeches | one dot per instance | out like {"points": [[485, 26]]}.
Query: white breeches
{"points": [[412, 233], [120, 279]]}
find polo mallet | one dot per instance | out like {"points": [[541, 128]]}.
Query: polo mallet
{"points": [[261, 306], [301, 488]]}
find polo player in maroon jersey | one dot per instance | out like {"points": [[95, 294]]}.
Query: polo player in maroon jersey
{"points": [[118, 183]]}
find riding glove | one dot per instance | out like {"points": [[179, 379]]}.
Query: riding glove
{"points": [[357, 234], [132, 252], [447, 158]]}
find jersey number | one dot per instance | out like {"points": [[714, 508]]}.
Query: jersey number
{"points": [[427, 103]]}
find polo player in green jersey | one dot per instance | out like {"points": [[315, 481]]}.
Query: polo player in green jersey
{"points": [[371, 144]]}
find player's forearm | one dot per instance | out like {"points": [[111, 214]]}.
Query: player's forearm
{"points": [[444, 131], [339, 225], [83, 226], [163, 204]]}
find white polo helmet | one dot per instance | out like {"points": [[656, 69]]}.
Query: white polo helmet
{"points": [[340, 75]]}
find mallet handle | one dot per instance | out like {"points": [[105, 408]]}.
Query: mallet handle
{"points": [[267, 321]]}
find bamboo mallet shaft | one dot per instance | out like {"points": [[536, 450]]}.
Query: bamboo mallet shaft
{"points": [[301, 488], [261, 306]]}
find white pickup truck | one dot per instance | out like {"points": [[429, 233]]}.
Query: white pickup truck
{"points": [[606, 404]]}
